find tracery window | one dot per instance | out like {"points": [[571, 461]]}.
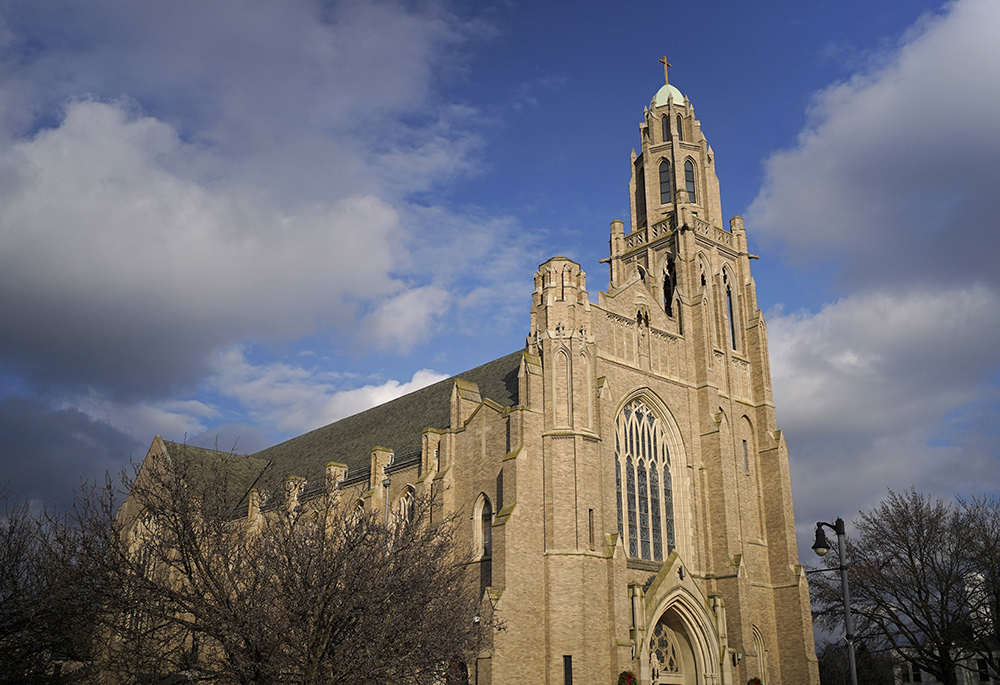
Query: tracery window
{"points": [[663, 651], [689, 181], [641, 451], [664, 181]]}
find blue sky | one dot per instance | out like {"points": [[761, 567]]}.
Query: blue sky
{"points": [[228, 220]]}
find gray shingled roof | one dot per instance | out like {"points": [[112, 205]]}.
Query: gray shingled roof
{"points": [[229, 475], [396, 425]]}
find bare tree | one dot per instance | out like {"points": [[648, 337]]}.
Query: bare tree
{"points": [[50, 590], [875, 667], [981, 526], [910, 568], [303, 591]]}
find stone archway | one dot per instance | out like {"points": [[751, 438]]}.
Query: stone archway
{"points": [[681, 647]]}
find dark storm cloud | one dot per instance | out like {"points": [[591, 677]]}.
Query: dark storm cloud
{"points": [[44, 452]]}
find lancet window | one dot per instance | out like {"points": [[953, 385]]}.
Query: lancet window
{"points": [[665, 128], [643, 462], [680, 129], [664, 181], [689, 181], [640, 194]]}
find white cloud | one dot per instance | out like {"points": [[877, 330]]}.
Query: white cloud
{"points": [[405, 319], [142, 420], [102, 240], [293, 399], [893, 181], [877, 390], [895, 175]]}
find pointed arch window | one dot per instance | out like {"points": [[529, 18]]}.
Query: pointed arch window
{"points": [[665, 128], [486, 528], [689, 181], [407, 506], [641, 452], [664, 181], [680, 128]]}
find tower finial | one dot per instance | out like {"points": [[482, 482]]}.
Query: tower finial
{"points": [[666, 64]]}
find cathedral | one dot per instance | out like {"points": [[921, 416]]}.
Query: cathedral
{"points": [[622, 478]]}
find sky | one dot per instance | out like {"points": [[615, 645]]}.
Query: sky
{"points": [[230, 223]]}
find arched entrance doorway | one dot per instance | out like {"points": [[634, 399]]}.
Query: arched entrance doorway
{"points": [[671, 658], [682, 646]]}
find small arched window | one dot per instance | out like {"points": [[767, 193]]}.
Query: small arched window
{"points": [[664, 180], [665, 128], [483, 527], [689, 181], [680, 128], [486, 523], [407, 505]]}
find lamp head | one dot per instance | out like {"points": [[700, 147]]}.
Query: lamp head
{"points": [[821, 546]]}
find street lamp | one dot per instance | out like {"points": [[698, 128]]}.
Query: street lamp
{"points": [[821, 547]]}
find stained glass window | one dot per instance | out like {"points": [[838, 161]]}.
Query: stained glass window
{"points": [[618, 488], [643, 510], [633, 537], [654, 512], [668, 507], [642, 460]]}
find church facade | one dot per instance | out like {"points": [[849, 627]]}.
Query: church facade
{"points": [[623, 479]]}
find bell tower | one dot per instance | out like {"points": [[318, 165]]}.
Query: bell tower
{"points": [[674, 172], [680, 336]]}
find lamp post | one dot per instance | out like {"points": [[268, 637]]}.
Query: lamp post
{"points": [[385, 484], [821, 547]]}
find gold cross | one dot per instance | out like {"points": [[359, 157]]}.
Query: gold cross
{"points": [[666, 79]]}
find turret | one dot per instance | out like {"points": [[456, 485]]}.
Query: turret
{"points": [[562, 336]]}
